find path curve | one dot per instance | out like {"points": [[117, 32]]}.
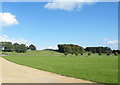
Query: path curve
{"points": [[14, 73]]}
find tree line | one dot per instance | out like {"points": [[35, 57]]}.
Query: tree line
{"points": [[63, 48], [76, 49], [20, 48], [99, 49]]}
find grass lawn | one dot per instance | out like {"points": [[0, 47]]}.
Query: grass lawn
{"points": [[101, 69]]}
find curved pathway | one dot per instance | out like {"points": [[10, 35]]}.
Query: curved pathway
{"points": [[14, 73]]}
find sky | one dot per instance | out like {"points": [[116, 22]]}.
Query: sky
{"points": [[48, 24]]}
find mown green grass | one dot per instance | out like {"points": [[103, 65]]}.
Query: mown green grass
{"points": [[101, 69]]}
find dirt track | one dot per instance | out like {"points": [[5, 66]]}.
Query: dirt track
{"points": [[14, 73]]}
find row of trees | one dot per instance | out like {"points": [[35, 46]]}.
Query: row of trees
{"points": [[70, 48], [108, 54], [98, 49], [75, 49], [20, 48], [116, 51], [63, 48]]}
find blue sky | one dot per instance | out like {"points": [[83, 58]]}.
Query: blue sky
{"points": [[90, 25]]}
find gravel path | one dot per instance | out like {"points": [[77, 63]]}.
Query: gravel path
{"points": [[14, 73]]}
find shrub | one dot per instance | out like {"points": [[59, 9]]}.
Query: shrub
{"points": [[99, 53], [3, 53], [65, 53], [81, 53], [72, 53], [76, 53], [108, 54], [116, 54], [89, 53]]}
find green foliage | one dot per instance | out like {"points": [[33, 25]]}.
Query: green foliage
{"points": [[99, 53], [76, 53], [21, 48], [89, 53], [116, 53], [108, 53], [16, 46], [70, 48], [32, 47], [72, 53], [65, 53], [98, 49], [27, 47], [9, 47], [81, 53]]}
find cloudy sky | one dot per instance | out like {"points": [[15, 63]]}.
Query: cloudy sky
{"points": [[48, 24]]}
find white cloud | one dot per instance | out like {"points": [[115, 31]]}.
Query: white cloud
{"points": [[13, 40], [68, 5], [7, 19], [52, 47], [42, 47], [113, 43]]}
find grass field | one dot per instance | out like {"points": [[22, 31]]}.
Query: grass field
{"points": [[101, 69]]}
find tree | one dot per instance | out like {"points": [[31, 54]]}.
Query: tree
{"points": [[21, 48], [118, 51], [98, 49], [82, 50], [27, 47], [70, 48], [32, 47], [16, 46], [7, 46]]}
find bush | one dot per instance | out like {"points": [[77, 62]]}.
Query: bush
{"points": [[81, 53], [65, 53], [4, 54], [99, 53], [89, 54], [76, 53], [116, 54], [72, 53], [108, 54]]}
